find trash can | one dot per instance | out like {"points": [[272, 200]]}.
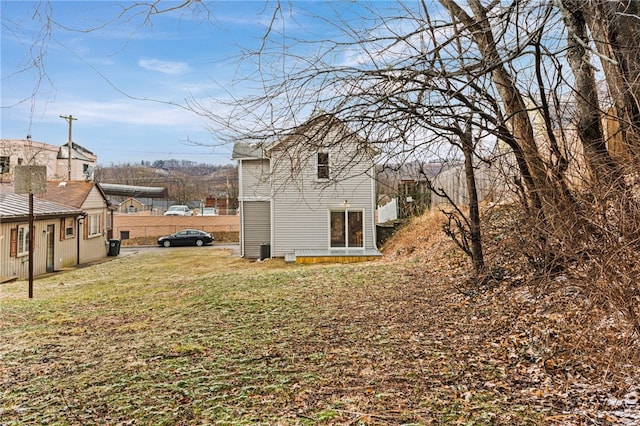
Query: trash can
{"points": [[114, 247], [265, 251]]}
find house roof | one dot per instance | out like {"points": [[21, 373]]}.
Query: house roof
{"points": [[72, 193], [134, 191], [132, 199], [247, 151], [318, 125], [16, 206]]}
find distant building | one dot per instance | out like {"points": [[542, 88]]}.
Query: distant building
{"points": [[16, 152]]}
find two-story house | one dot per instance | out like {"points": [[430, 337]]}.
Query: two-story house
{"points": [[309, 196]]}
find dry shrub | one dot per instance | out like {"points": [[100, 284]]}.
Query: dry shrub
{"points": [[564, 284], [421, 238], [593, 243], [610, 249], [581, 265], [577, 282]]}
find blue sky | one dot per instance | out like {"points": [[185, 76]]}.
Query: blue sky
{"points": [[126, 80]]}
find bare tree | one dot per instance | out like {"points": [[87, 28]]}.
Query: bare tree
{"points": [[588, 107], [615, 30]]}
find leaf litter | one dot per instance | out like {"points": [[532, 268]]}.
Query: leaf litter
{"points": [[397, 341]]}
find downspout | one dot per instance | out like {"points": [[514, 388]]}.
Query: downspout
{"points": [[78, 227], [272, 210], [374, 204], [241, 207]]}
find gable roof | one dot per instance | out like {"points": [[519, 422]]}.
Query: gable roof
{"points": [[316, 127], [72, 193], [15, 207]]}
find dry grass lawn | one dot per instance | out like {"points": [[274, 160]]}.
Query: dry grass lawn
{"points": [[192, 337]]}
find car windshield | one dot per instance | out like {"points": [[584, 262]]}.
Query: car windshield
{"points": [[176, 208]]}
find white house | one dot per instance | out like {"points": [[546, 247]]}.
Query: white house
{"points": [[310, 196]]}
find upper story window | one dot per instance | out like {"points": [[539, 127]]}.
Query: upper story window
{"points": [[4, 164], [323, 165]]}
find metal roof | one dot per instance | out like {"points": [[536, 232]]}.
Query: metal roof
{"points": [[16, 207], [134, 191]]}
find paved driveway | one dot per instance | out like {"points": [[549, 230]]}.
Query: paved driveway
{"points": [[127, 250]]}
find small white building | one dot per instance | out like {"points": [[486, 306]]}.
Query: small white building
{"points": [[310, 196], [72, 225]]}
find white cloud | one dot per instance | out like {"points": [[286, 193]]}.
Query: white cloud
{"points": [[165, 67], [120, 113]]}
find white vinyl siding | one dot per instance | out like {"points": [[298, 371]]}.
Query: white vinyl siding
{"points": [[297, 196], [255, 180], [301, 211]]}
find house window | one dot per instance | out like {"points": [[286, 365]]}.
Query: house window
{"points": [[93, 225], [346, 229], [323, 165], [23, 240], [4, 164]]}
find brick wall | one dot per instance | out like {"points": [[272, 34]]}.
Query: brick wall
{"points": [[143, 225]]}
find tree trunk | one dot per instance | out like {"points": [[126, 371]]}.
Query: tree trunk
{"points": [[588, 113], [477, 256], [615, 28], [514, 106]]}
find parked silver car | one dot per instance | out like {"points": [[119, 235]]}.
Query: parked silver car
{"points": [[178, 210]]}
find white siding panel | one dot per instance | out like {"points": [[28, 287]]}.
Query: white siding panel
{"points": [[255, 179], [301, 212]]}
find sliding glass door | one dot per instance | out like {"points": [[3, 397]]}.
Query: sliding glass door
{"points": [[347, 229]]}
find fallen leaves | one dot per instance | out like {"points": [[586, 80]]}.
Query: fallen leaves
{"points": [[383, 343]]}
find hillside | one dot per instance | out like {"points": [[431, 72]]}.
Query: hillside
{"points": [[186, 181], [548, 332]]}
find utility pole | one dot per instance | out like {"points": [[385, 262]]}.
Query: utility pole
{"points": [[69, 119]]}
